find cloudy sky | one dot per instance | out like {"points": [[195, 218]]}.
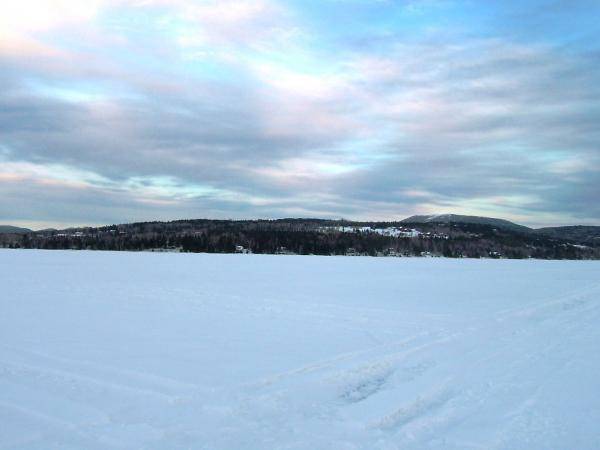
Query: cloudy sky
{"points": [[114, 111]]}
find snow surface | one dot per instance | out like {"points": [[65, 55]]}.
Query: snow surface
{"points": [[102, 350]]}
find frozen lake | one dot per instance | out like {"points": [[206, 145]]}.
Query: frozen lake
{"points": [[229, 352]]}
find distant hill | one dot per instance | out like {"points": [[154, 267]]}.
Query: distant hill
{"points": [[578, 233], [9, 229], [456, 218], [448, 235]]}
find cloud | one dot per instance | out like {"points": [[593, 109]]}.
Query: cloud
{"points": [[176, 109]]}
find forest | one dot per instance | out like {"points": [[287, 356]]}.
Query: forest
{"points": [[310, 236]]}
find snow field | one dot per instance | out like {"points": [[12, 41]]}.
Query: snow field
{"points": [[102, 350]]}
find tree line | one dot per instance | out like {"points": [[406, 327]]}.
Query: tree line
{"points": [[305, 236]]}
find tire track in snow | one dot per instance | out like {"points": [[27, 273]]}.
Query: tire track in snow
{"points": [[421, 406], [570, 300], [330, 363], [83, 368]]}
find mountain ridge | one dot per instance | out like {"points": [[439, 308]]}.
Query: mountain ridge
{"points": [[446, 218], [458, 218], [8, 229]]}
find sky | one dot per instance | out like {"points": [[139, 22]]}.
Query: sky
{"points": [[114, 111]]}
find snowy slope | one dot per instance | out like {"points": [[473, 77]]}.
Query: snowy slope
{"points": [[104, 350]]}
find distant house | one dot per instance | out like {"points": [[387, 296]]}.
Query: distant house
{"points": [[170, 249], [392, 252], [241, 249], [284, 251]]}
